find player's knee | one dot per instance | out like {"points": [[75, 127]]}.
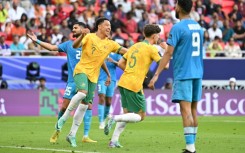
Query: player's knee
{"points": [[64, 106], [101, 99], [81, 95], [82, 91]]}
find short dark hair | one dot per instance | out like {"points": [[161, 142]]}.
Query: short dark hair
{"points": [[42, 79], [80, 24], [100, 21], [186, 5], [151, 29]]}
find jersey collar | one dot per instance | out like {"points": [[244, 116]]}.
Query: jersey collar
{"points": [[146, 41]]}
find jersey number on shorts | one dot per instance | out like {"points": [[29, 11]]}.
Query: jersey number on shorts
{"points": [[99, 88], [68, 91], [78, 54], [196, 43], [132, 64]]}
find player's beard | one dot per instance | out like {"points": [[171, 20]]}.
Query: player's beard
{"points": [[76, 35]]}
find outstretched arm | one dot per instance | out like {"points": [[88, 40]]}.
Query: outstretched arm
{"points": [[108, 80], [112, 61], [45, 45], [163, 63]]}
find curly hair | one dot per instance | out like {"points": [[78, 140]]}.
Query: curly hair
{"points": [[151, 29]]}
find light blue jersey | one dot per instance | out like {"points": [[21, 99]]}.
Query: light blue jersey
{"points": [[73, 57], [187, 39], [111, 67]]}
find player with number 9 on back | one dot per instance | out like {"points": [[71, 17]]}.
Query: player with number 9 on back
{"points": [[185, 45]]}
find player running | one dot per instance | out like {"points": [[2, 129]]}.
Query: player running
{"points": [[96, 48], [135, 63]]}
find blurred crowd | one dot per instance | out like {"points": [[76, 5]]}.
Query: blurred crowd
{"points": [[52, 20]]}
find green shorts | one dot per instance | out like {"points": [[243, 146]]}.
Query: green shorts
{"points": [[83, 83], [132, 101]]}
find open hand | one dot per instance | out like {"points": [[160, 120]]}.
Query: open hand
{"points": [[32, 36], [108, 81], [109, 59], [163, 45], [85, 31]]}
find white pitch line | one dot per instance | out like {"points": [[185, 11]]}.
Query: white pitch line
{"points": [[45, 149], [230, 121], [147, 121]]}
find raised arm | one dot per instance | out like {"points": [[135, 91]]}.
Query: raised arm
{"points": [[45, 45], [77, 42]]}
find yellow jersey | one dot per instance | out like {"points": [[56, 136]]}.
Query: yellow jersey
{"points": [[94, 52], [139, 58]]}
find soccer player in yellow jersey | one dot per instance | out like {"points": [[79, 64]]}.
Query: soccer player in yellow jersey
{"points": [[135, 63], [96, 48]]}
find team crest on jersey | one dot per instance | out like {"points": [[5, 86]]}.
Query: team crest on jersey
{"points": [[105, 47], [83, 84]]}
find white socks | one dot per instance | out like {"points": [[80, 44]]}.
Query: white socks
{"points": [[120, 126], [122, 120], [76, 99], [191, 147], [128, 117], [78, 118]]}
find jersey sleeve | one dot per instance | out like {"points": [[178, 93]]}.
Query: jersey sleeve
{"points": [[174, 36], [63, 47], [115, 47], [155, 54]]}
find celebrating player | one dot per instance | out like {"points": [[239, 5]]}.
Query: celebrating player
{"points": [[185, 44], [96, 48], [135, 63], [73, 56]]}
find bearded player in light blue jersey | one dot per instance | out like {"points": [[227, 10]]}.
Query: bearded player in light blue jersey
{"points": [[73, 57], [185, 44], [106, 92]]}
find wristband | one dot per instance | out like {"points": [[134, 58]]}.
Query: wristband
{"points": [[38, 42]]}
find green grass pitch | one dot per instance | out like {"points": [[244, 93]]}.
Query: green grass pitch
{"points": [[153, 135]]}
